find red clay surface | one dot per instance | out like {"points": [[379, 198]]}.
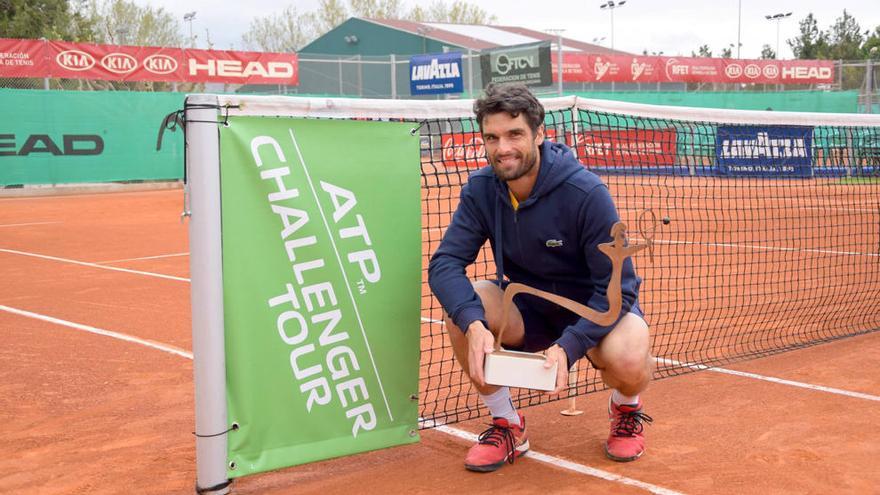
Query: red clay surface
{"points": [[84, 413]]}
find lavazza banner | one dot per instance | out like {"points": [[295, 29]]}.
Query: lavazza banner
{"points": [[32, 58], [435, 74], [764, 151], [526, 64]]}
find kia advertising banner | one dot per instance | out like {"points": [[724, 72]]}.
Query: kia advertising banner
{"points": [[435, 74], [526, 64], [32, 58], [764, 151], [582, 67]]}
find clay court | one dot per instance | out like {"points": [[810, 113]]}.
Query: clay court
{"points": [[97, 392]]}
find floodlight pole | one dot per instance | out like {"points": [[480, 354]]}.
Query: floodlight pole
{"points": [[778, 18], [610, 5], [558, 33], [739, 17], [188, 18]]}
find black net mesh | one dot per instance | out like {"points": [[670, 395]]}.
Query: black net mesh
{"points": [[772, 240]]}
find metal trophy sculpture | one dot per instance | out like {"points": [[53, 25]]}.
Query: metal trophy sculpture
{"points": [[525, 369]]}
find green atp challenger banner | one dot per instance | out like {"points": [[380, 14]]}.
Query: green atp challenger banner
{"points": [[321, 288]]}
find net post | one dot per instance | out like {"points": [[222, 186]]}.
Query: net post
{"points": [[572, 391], [206, 293]]}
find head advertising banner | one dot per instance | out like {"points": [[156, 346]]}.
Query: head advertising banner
{"points": [[34, 58], [526, 64]]}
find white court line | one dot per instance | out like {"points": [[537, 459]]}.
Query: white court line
{"points": [[438, 322], [548, 459], [94, 265], [24, 224], [142, 258], [569, 465], [758, 247], [107, 333], [780, 381]]}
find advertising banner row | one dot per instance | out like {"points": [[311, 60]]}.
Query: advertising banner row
{"points": [[40, 59], [532, 64], [589, 68], [738, 150], [535, 65]]}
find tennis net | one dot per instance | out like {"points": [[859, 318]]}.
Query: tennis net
{"points": [[767, 239]]}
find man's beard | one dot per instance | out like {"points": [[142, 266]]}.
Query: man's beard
{"points": [[528, 162]]}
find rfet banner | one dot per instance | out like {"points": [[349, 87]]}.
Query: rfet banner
{"points": [[626, 148], [435, 74], [31, 58], [581, 67], [526, 64], [321, 288], [764, 151]]}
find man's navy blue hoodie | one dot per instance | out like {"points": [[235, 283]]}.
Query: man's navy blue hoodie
{"points": [[567, 204]]}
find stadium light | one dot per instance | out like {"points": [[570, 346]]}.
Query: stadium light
{"points": [[777, 17], [188, 18], [121, 32], [424, 30], [610, 5], [739, 18]]}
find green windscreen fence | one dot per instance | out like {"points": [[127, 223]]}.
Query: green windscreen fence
{"points": [[63, 137], [780, 101]]}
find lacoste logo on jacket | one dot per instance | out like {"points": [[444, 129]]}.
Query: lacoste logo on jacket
{"points": [[552, 243]]}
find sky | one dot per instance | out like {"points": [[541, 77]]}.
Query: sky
{"points": [[673, 27]]}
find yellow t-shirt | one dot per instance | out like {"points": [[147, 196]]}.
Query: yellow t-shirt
{"points": [[513, 200]]}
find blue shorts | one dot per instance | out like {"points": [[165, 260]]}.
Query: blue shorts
{"points": [[545, 321]]}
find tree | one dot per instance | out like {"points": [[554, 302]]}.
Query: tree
{"points": [[767, 53], [872, 45], [702, 51], [122, 22], [380, 9], [50, 19], [291, 30], [330, 14], [459, 12], [845, 39], [811, 43], [287, 32], [727, 52]]}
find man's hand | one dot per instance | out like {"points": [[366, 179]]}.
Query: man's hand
{"points": [[556, 354], [480, 342]]}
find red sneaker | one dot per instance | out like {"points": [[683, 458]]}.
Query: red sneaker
{"points": [[502, 442], [626, 441]]}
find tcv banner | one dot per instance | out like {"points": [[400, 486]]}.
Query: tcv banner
{"points": [[322, 288]]}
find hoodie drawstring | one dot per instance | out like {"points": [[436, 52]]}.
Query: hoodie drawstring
{"points": [[499, 251]]}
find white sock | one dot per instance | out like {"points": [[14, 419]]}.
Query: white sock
{"points": [[621, 400], [501, 406]]}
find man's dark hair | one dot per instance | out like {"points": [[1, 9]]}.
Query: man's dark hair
{"points": [[513, 99]]}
